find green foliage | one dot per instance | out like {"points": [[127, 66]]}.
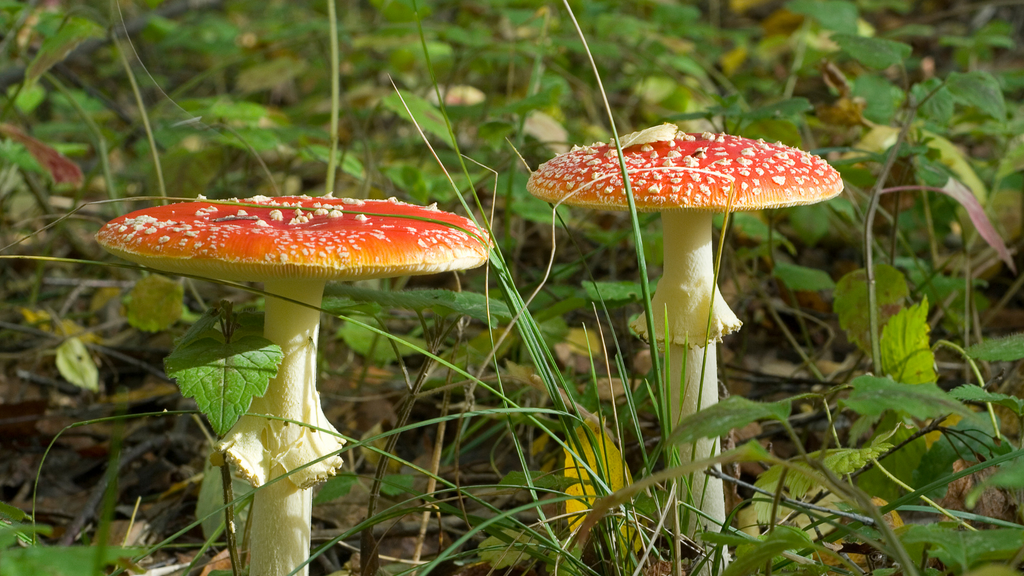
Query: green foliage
{"points": [[961, 550], [851, 301], [154, 303], [906, 351], [733, 412], [1005, 349], [802, 278], [877, 53], [752, 557], [979, 89], [872, 395], [55, 48], [339, 298], [336, 487]]}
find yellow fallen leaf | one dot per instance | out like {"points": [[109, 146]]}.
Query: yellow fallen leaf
{"points": [[42, 320], [607, 461]]}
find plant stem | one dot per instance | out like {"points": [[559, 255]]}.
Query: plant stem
{"points": [[145, 122], [332, 161]]}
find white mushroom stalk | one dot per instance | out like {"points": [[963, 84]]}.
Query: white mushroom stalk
{"points": [[686, 292], [265, 449]]}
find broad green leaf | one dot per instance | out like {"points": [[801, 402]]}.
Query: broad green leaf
{"points": [[545, 480], [374, 347], [963, 439], [802, 278], [1006, 349], [62, 560], [211, 497], [733, 412], [752, 557], [223, 378], [960, 550], [979, 89], [801, 479], [810, 222], [851, 301], [837, 15], [10, 514], [56, 47], [994, 570], [155, 303], [75, 364], [443, 302], [939, 104], [424, 114], [881, 97], [873, 395], [507, 549], [397, 484], [877, 53], [906, 354], [60, 169], [613, 293], [335, 487], [970, 393]]}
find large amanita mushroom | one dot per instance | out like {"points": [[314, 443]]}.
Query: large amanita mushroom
{"points": [[688, 178], [294, 245]]}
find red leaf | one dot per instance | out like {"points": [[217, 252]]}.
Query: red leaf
{"points": [[62, 170], [962, 194]]}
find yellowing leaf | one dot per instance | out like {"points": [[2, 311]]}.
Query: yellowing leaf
{"points": [[76, 365], [155, 303], [733, 59], [851, 301], [606, 461], [906, 354], [42, 320], [954, 159]]}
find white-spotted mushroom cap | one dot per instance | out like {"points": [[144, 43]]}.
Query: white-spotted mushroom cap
{"points": [[671, 170], [264, 238]]}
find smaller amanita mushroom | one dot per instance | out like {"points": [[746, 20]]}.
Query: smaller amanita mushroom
{"points": [[688, 178], [294, 245]]}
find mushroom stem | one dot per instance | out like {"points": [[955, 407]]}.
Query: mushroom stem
{"points": [[686, 291], [266, 449]]}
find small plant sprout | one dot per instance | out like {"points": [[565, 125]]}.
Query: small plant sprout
{"points": [[688, 178], [294, 245]]}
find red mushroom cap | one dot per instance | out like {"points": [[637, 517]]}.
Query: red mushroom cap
{"points": [[264, 238], [671, 171]]}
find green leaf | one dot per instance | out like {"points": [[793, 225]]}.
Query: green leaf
{"points": [[397, 484], [979, 89], [442, 302], [56, 47], [873, 395], [851, 301], [155, 303], [939, 105], [810, 222], [784, 109], [224, 377], [613, 293], [752, 557], [906, 354], [506, 548], [424, 114], [211, 498], [970, 393], [75, 364], [374, 347], [961, 550], [802, 278], [335, 487], [733, 412], [62, 560], [545, 480], [835, 15], [1007, 349], [877, 53]]}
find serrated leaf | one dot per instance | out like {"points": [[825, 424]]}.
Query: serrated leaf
{"points": [[970, 393], [733, 412], [960, 550], [613, 293], [223, 378], [335, 487], [802, 278], [75, 364], [877, 53], [59, 167], [835, 15], [55, 48], [873, 395], [850, 301], [442, 302], [979, 89], [906, 352], [801, 479], [1006, 349], [424, 114], [155, 303]]}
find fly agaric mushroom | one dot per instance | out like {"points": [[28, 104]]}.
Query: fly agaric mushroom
{"points": [[294, 245], [688, 178]]}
